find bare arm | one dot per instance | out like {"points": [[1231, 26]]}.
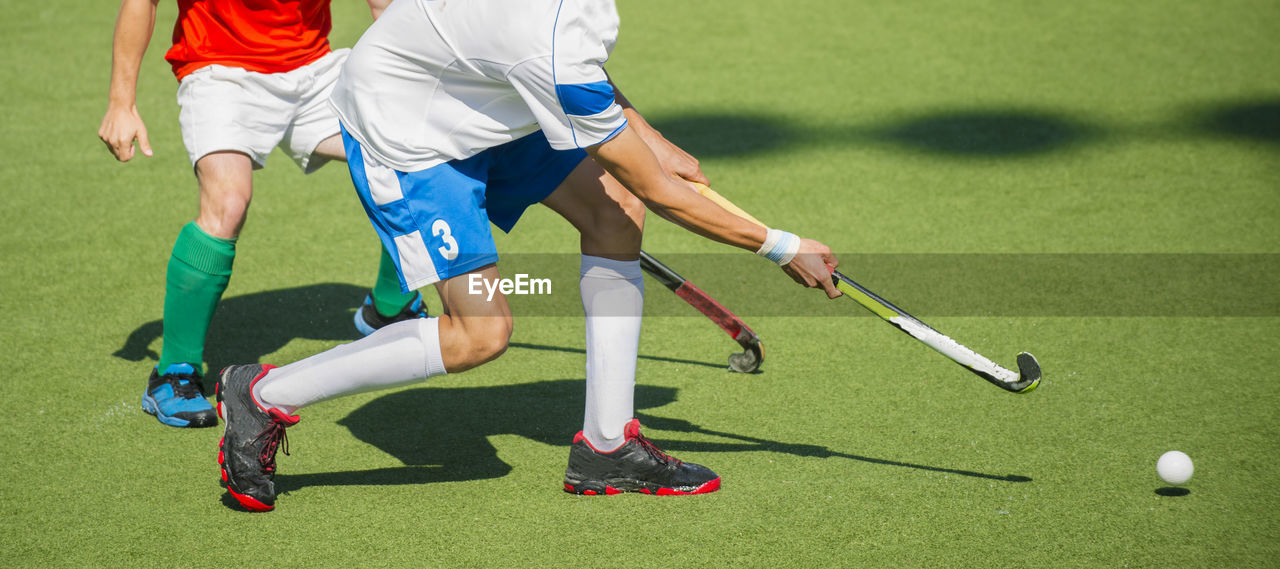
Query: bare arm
{"points": [[673, 158], [377, 6], [629, 160], [122, 124]]}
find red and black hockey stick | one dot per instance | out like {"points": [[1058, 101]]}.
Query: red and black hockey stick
{"points": [[753, 351]]}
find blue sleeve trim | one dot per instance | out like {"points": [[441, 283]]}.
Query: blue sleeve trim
{"points": [[614, 133], [585, 99]]}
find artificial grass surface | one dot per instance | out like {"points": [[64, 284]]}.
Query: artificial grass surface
{"points": [[896, 131]]}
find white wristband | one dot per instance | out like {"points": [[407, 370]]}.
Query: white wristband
{"points": [[779, 246]]}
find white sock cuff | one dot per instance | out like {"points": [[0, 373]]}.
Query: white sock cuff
{"points": [[602, 268], [429, 331]]}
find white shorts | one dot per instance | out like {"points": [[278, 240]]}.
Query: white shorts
{"points": [[228, 108]]}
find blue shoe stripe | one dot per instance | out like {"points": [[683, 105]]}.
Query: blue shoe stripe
{"points": [[179, 369], [361, 326], [149, 405]]}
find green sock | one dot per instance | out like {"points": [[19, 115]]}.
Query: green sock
{"points": [[387, 298], [199, 270]]}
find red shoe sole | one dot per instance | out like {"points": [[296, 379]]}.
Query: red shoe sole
{"points": [[706, 488]]}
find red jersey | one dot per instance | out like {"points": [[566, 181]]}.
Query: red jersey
{"points": [[267, 36]]}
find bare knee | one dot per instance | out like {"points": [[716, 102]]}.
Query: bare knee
{"points": [[478, 341], [226, 188], [222, 215]]}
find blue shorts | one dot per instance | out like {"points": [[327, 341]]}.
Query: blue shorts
{"points": [[435, 222]]}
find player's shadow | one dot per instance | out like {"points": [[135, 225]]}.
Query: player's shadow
{"points": [[246, 328], [958, 133], [1249, 120], [985, 133], [749, 443], [725, 135], [441, 434]]}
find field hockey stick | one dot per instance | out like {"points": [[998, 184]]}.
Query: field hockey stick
{"points": [[752, 354], [1024, 380]]}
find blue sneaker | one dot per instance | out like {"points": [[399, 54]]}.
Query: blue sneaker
{"points": [[176, 398], [368, 320]]}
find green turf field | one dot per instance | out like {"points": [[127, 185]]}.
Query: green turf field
{"points": [[1074, 148]]}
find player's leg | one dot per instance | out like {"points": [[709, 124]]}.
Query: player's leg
{"points": [[312, 140], [472, 330], [610, 455], [216, 105], [610, 221], [454, 248], [198, 272], [258, 402]]}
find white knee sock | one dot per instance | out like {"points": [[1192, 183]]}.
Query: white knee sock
{"points": [[402, 353], [613, 299]]}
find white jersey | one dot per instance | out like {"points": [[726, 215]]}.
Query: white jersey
{"points": [[439, 80]]}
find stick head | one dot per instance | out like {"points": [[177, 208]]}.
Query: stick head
{"points": [[1028, 374], [749, 360]]}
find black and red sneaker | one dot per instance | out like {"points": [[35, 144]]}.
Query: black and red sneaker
{"points": [[247, 451], [637, 466]]}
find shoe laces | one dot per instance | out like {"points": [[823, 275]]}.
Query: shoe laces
{"points": [[185, 386], [273, 438], [654, 451]]}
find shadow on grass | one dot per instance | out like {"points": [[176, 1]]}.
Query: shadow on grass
{"points": [[964, 133], [246, 328], [795, 449], [959, 133], [726, 135], [990, 133], [1248, 120], [441, 434]]}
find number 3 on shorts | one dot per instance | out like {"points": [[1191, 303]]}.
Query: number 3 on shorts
{"points": [[441, 229]]}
